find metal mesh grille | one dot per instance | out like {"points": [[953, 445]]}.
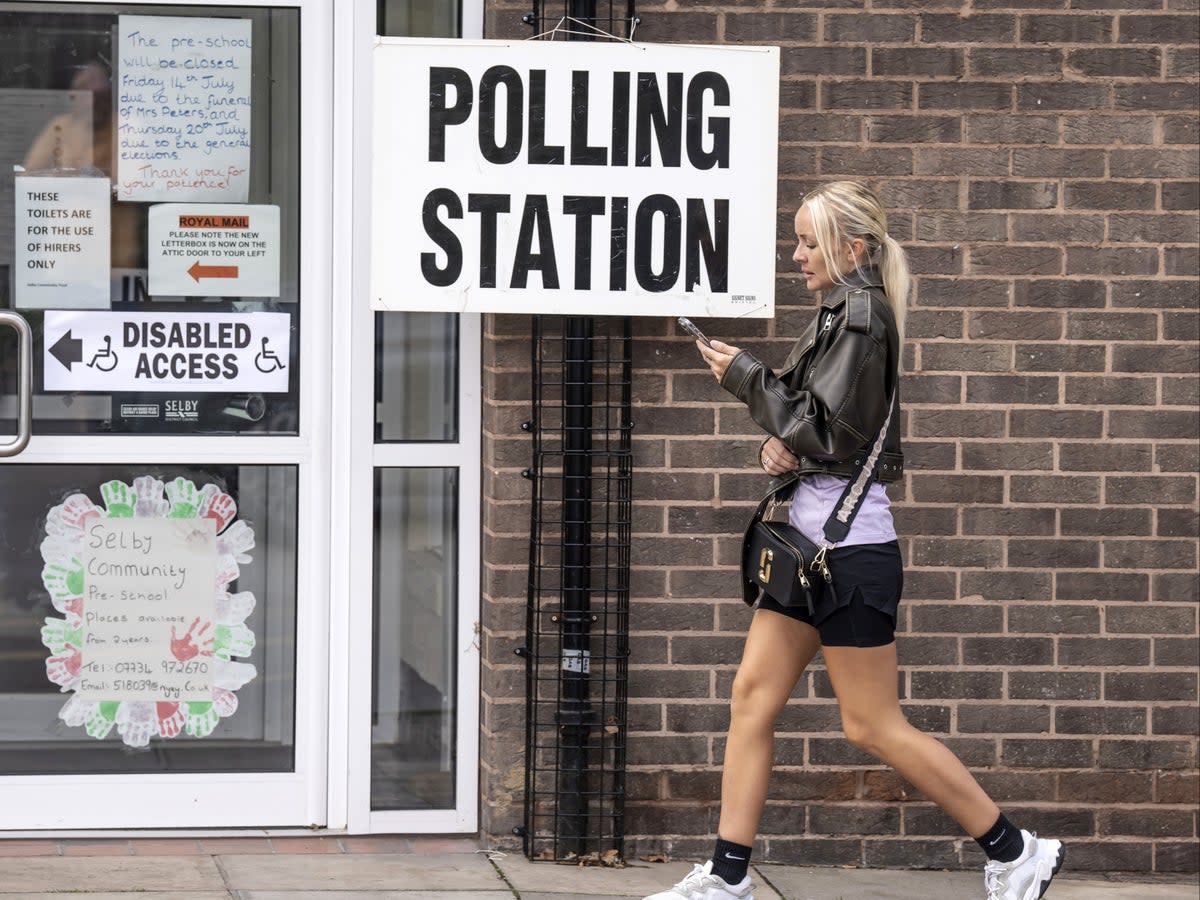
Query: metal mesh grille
{"points": [[614, 18], [577, 641]]}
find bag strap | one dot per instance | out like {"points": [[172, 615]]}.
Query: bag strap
{"points": [[837, 526]]}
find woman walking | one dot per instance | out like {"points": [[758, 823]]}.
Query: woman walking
{"points": [[833, 406]]}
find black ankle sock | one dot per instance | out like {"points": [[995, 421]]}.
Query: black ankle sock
{"points": [[730, 861], [1004, 842]]}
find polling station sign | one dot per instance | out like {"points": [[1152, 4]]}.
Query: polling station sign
{"points": [[590, 179], [166, 352]]}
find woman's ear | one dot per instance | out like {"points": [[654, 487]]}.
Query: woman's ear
{"points": [[855, 248]]}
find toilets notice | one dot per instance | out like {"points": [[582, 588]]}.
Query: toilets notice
{"points": [[100, 352], [62, 242], [214, 250]]}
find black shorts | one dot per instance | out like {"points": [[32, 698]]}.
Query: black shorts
{"points": [[861, 609]]}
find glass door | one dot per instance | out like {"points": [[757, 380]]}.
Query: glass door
{"points": [[164, 537]]}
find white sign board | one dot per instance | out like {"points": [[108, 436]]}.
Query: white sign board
{"points": [[551, 177], [183, 108], [168, 352], [63, 242], [214, 250], [149, 609]]}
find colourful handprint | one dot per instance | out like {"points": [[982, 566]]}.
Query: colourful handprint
{"points": [[102, 719], [232, 609], [170, 719], [232, 640], [200, 719], [71, 516], [136, 723], [63, 668], [184, 498], [225, 702], [185, 648], [150, 503], [235, 541], [58, 634], [219, 507], [118, 499]]}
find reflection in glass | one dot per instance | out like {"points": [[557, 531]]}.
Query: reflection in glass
{"points": [[418, 18], [58, 110], [258, 737], [416, 380], [414, 671]]}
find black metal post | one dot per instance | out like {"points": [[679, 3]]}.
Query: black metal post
{"points": [[575, 717]]}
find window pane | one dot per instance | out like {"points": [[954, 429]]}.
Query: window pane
{"points": [[254, 736], [419, 18], [416, 376], [66, 119], [415, 667]]}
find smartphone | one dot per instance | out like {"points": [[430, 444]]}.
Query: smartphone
{"points": [[690, 327]]}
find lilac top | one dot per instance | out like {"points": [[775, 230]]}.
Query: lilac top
{"points": [[813, 502]]}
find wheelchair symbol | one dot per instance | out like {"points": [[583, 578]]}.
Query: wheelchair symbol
{"points": [[104, 360], [266, 361]]}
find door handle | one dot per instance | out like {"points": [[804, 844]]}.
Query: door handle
{"points": [[24, 382]]}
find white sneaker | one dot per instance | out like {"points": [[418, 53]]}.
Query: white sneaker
{"points": [[702, 884], [1027, 876]]}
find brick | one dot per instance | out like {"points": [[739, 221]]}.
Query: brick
{"points": [[1078, 29], [766, 26], [1013, 195], [818, 60], [1176, 651], [1144, 754], [1050, 227], [1150, 489], [991, 62], [957, 488], [955, 552], [1176, 787], [1141, 619], [1181, 856], [1127, 423], [1025, 456], [959, 617], [1054, 685], [1099, 390], [1157, 95], [1156, 554], [873, 28], [914, 129], [1156, 163], [970, 161], [1023, 129], [1112, 522], [1175, 586], [1059, 358], [1007, 652], [1165, 295], [1001, 520], [1055, 554], [797, 94], [686, 27], [1093, 586], [1176, 523], [857, 819], [1041, 753], [949, 423], [1016, 260], [1082, 457], [1111, 855], [1065, 96], [1181, 195], [1008, 718], [1041, 162], [893, 61], [1180, 130], [1181, 261], [1181, 327], [1099, 720], [965, 95], [1113, 62], [855, 94], [900, 853], [1177, 457], [928, 455], [1175, 720], [1057, 619], [960, 292], [1112, 261], [1105, 787], [1061, 489], [853, 161], [1054, 423], [1156, 686], [963, 29], [1109, 195], [1152, 228], [1012, 389], [1007, 584], [1103, 652], [1158, 29], [1182, 62], [1120, 129], [949, 685]]}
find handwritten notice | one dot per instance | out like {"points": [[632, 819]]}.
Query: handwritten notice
{"points": [[63, 242], [183, 109], [149, 608]]}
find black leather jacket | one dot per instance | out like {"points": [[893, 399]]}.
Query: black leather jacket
{"points": [[830, 398]]}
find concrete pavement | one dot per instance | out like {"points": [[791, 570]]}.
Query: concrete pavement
{"points": [[434, 874]]}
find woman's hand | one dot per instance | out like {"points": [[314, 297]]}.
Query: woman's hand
{"points": [[776, 458], [718, 356]]}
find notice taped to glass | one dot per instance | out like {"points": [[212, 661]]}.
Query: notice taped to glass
{"points": [[183, 108], [149, 588]]}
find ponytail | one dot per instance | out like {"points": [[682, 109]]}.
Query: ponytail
{"points": [[893, 265]]}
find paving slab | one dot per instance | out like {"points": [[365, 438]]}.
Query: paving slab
{"points": [[47, 874], [545, 880], [135, 895], [506, 894], [361, 872], [800, 883]]}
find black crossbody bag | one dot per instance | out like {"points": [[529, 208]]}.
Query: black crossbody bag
{"points": [[785, 565]]}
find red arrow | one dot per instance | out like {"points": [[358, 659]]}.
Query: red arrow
{"points": [[198, 271]]}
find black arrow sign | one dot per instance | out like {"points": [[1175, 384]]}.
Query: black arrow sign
{"points": [[67, 350]]}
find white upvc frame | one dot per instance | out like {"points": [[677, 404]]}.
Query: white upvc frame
{"points": [[357, 459], [71, 804]]}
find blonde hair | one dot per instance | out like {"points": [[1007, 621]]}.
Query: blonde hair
{"points": [[844, 210]]}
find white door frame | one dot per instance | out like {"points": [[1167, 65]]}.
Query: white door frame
{"points": [[69, 804], [356, 460]]}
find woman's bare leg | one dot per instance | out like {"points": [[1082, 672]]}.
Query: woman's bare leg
{"points": [[864, 680], [776, 653]]}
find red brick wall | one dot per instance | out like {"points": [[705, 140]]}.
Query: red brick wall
{"points": [[1039, 160]]}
